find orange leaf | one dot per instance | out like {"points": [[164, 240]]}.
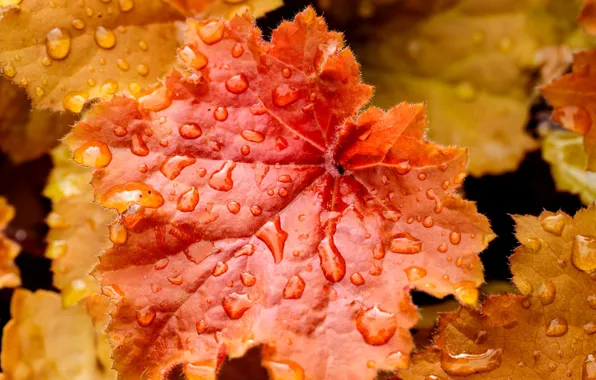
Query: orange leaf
{"points": [[547, 332], [226, 8], [588, 16], [574, 100], [254, 213], [9, 272]]}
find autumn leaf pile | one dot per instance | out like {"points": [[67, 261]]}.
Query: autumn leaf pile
{"points": [[215, 191]]}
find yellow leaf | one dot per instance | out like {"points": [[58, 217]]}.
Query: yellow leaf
{"points": [[78, 228], [474, 63], [25, 134], [565, 153], [65, 52], [44, 341], [9, 272], [225, 8]]}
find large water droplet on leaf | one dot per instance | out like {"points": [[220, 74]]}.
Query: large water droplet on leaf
{"points": [[294, 288], [274, 237], [583, 253], [58, 43], [121, 197], [172, 166], [468, 364], [235, 305], [376, 326], [93, 154], [405, 243], [221, 180]]}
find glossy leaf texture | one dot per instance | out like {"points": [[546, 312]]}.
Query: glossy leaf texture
{"points": [[44, 341], [78, 228], [65, 52], [564, 151], [574, 101], [225, 8], [9, 272], [545, 332], [26, 134], [256, 208], [476, 64]]}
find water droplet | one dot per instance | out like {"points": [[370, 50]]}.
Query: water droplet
{"points": [[219, 269], [415, 273], [442, 248], [534, 244], [161, 263], [105, 38], [282, 192], [234, 207], [235, 305], [454, 237], [466, 293], [432, 195], [211, 31], [573, 118], [284, 95], [188, 200], [392, 215], [554, 224], [583, 253], [121, 197], [556, 327], [123, 65], [589, 368], [193, 58], [592, 301], [286, 72], [590, 328], [428, 222], [398, 360], [110, 87], [547, 292], [58, 43], [190, 131], [74, 101], [220, 114], [376, 326], [468, 364], [118, 233], [176, 279], [245, 150], [405, 243], [93, 154], [294, 288], [252, 136], [56, 249], [126, 5], [357, 279], [145, 316], [237, 50], [237, 84], [142, 69], [274, 237], [248, 279], [465, 91], [221, 180], [9, 70], [173, 166], [138, 146], [332, 262], [284, 370], [258, 109], [246, 250]]}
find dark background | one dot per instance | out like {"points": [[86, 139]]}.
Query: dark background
{"points": [[529, 190]]}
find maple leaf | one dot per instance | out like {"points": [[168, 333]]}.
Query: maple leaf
{"points": [[473, 62], [44, 341], [257, 209], [25, 134], [78, 228], [71, 51], [9, 272], [574, 102], [225, 8], [565, 154], [547, 332]]}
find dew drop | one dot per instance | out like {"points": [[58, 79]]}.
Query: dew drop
{"points": [[78, 24], [237, 84], [589, 367], [284, 370], [357, 279], [547, 292], [573, 118], [105, 38], [220, 114], [142, 69], [466, 293], [74, 101], [454, 237], [211, 31], [94, 154], [190, 131], [332, 262], [432, 195], [245, 150], [258, 109], [376, 326], [176, 279], [118, 233], [583, 253], [188, 201], [161, 264], [234, 207], [590, 328], [274, 237], [592, 301], [126, 5], [58, 43], [173, 166], [143, 45], [405, 243], [284, 95], [248, 279], [193, 58], [557, 327], [221, 180], [403, 168], [286, 72], [109, 87], [256, 210], [281, 143], [468, 364], [428, 222], [237, 50], [554, 224], [138, 146], [442, 248], [252, 136], [155, 288], [282, 192], [145, 316], [246, 250], [534, 244], [219, 269], [398, 360], [415, 273], [9, 70], [120, 197], [294, 288], [235, 305], [123, 65]]}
